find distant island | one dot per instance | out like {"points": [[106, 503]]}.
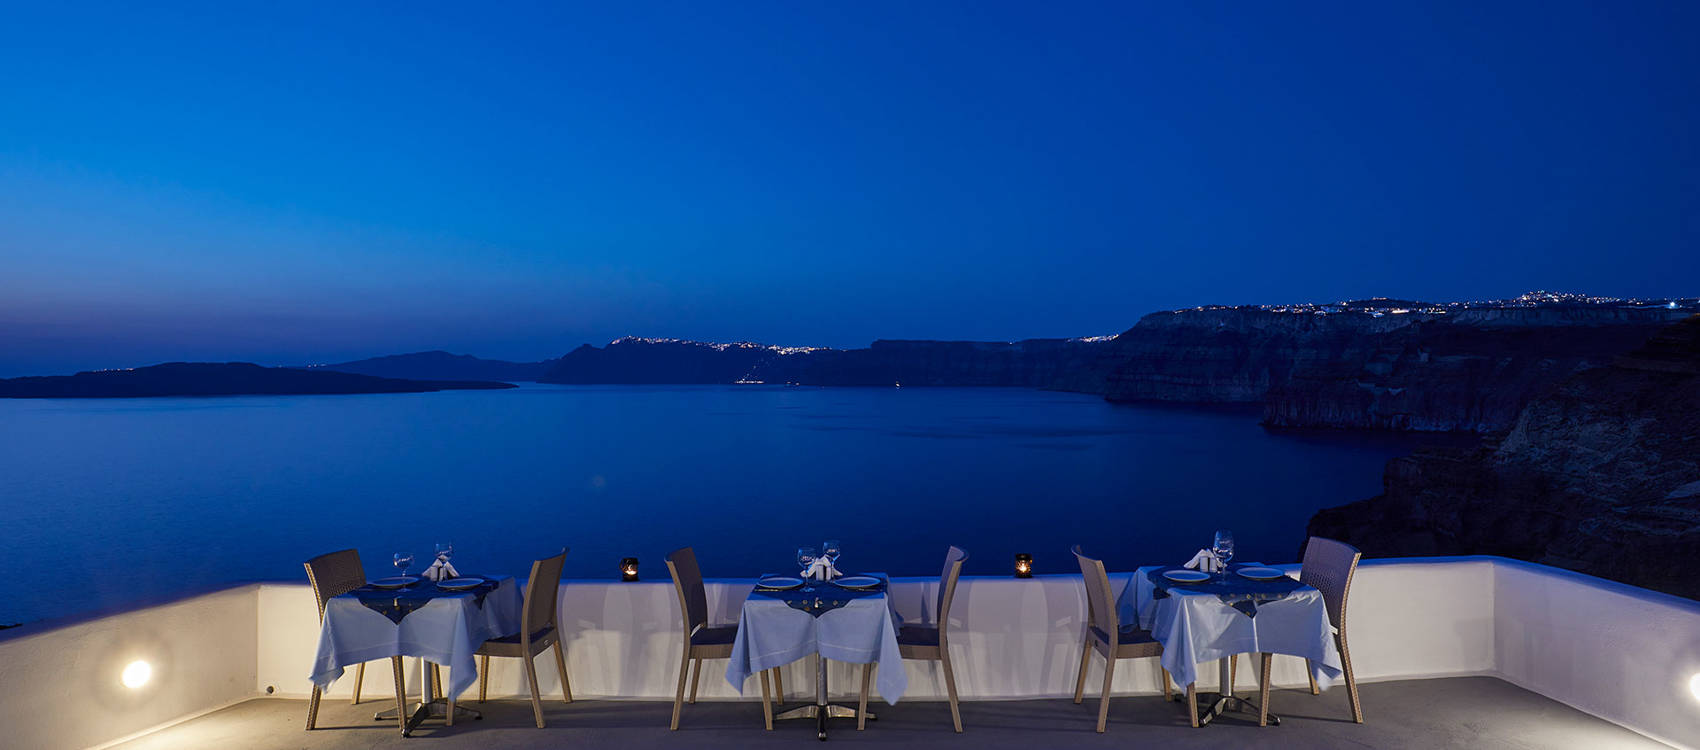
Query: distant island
{"points": [[218, 379]]}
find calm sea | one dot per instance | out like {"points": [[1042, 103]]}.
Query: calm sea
{"points": [[108, 502]]}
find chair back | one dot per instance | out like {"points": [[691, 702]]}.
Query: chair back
{"points": [[1329, 566], [947, 585], [1100, 607], [334, 574], [542, 594], [687, 582]]}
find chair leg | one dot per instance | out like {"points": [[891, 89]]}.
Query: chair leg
{"points": [[862, 705], [1310, 674], [1168, 690], [1104, 698], [679, 695], [1263, 690], [483, 677], [450, 718], [1085, 658], [766, 704], [696, 677], [437, 679], [536, 697], [359, 677], [400, 694], [313, 709], [778, 686], [1192, 704], [561, 664], [1351, 683], [950, 690]]}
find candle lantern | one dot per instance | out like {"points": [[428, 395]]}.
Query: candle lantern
{"points": [[1023, 565], [628, 569]]}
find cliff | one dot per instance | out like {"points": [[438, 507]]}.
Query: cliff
{"points": [[217, 379], [1600, 475], [1471, 370]]}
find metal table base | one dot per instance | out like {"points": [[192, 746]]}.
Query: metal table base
{"points": [[821, 710], [429, 706], [1224, 701]]}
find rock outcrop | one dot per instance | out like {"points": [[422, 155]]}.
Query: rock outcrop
{"points": [[1599, 475], [219, 379]]}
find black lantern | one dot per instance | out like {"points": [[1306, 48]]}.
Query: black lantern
{"points": [[1023, 565], [628, 569]]}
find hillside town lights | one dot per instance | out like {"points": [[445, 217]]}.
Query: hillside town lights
{"points": [[628, 569], [1023, 565]]}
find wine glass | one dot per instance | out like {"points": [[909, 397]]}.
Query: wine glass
{"points": [[403, 561], [830, 549], [445, 550], [1224, 549], [805, 558]]}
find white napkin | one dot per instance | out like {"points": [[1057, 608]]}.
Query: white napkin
{"points": [[441, 570], [821, 570], [1206, 561]]}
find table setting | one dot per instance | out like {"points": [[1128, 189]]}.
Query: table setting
{"points": [[824, 612], [441, 617], [1210, 608]]}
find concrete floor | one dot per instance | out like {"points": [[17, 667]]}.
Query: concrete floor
{"points": [[1465, 712]]}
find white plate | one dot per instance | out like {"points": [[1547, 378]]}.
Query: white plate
{"points": [[1186, 576], [857, 582], [457, 584], [395, 582], [780, 583], [1261, 574]]}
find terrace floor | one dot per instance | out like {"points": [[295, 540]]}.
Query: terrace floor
{"points": [[1462, 712]]}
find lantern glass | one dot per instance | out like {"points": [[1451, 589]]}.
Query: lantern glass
{"points": [[629, 569], [1023, 565]]}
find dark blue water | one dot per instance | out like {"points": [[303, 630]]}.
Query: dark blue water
{"points": [[107, 502]]}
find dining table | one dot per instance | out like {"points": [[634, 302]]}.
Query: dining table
{"points": [[1229, 613], [441, 626], [825, 619]]}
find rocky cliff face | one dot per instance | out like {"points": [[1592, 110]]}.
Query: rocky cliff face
{"points": [[1599, 475], [1467, 371]]}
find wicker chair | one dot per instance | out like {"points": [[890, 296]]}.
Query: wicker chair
{"points": [[1106, 635], [335, 574], [542, 597], [1329, 566], [930, 642], [702, 641]]}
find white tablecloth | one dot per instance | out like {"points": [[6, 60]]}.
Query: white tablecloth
{"points": [[1197, 626], [772, 634], [447, 631]]}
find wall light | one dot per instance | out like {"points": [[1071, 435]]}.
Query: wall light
{"points": [[1694, 685], [628, 569], [136, 674], [1024, 565]]}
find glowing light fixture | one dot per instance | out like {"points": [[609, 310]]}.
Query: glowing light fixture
{"points": [[628, 569], [1694, 685], [136, 674], [1023, 565]]}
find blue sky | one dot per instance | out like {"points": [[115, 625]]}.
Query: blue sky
{"points": [[289, 184]]}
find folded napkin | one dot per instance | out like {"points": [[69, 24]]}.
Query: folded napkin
{"points": [[1205, 561], [441, 570], [821, 570]]}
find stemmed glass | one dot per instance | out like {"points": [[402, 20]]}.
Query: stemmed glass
{"points": [[1224, 549], [830, 550], [445, 550], [805, 558], [403, 560]]}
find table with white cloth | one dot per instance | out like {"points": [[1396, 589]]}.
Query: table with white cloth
{"points": [[440, 626], [776, 628], [1228, 615]]}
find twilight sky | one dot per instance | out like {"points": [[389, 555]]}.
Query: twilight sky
{"points": [[290, 184]]}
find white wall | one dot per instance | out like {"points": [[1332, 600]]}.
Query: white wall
{"points": [[1615, 651], [59, 686]]}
